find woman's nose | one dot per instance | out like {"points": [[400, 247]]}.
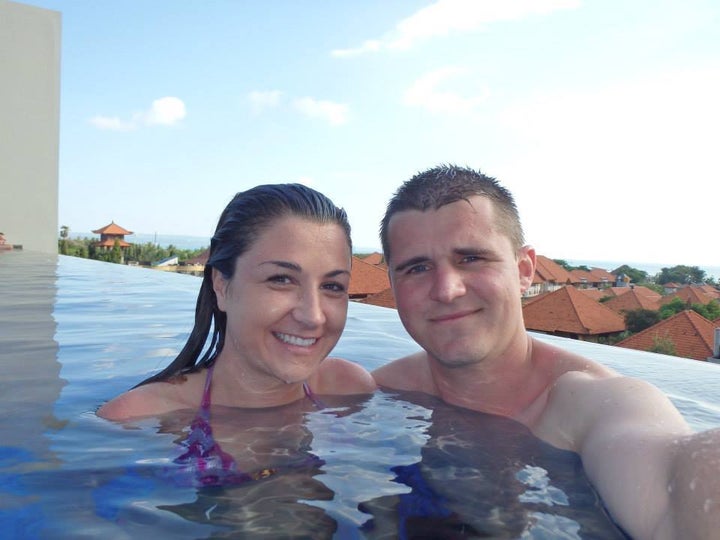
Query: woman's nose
{"points": [[309, 309]]}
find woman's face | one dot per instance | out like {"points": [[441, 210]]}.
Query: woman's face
{"points": [[287, 303]]}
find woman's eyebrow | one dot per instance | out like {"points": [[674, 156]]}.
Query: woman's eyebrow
{"points": [[284, 264], [297, 268]]}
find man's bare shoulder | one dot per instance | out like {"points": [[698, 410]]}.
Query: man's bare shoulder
{"points": [[583, 402], [408, 373]]}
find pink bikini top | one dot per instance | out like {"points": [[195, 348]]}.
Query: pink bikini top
{"points": [[204, 461]]}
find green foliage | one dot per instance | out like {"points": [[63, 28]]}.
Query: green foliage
{"points": [[676, 305], [710, 311], [680, 274], [636, 276], [663, 345], [638, 320], [147, 253]]}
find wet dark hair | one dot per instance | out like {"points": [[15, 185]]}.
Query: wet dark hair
{"points": [[445, 184], [247, 215]]}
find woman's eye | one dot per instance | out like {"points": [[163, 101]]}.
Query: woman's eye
{"points": [[334, 287], [280, 279]]}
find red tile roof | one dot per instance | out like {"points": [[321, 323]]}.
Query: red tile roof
{"points": [[548, 270], [374, 258], [631, 301], [366, 279], [384, 298], [690, 295], [200, 259], [691, 334], [597, 294], [569, 311], [113, 229], [110, 243]]}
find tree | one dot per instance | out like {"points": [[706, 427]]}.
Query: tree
{"points": [[64, 233], [638, 320], [710, 311], [680, 274], [676, 305], [635, 275]]}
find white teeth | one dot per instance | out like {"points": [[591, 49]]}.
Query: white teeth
{"points": [[295, 340]]}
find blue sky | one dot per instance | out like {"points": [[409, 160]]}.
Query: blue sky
{"points": [[601, 116]]}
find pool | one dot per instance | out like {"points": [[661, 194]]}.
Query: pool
{"points": [[75, 332]]}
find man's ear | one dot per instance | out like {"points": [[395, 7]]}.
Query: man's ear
{"points": [[527, 261], [220, 285]]}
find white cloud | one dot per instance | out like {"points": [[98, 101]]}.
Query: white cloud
{"points": [[264, 99], [371, 45], [112, 123], [455, 16], [638, 157], [165, 111], [334, 113], [427, 94]]}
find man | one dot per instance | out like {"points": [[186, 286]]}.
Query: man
{"points": [[458, 267]]}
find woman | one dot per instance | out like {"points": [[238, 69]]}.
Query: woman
{"points": [[271, 307]]}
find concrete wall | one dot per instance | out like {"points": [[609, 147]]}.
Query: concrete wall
{"points": [[29, 125]]}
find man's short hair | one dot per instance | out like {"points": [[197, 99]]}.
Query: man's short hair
{"points": [[445, 184]]}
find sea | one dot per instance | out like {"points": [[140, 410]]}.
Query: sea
{"points": [[199, 242]]}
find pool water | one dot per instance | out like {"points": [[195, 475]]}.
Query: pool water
{"points": [[74, 333]]}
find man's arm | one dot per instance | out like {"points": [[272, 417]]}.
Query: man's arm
{"points": [[654, 475]]}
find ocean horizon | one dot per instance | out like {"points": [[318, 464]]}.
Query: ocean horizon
{"points": [[200, 242]]}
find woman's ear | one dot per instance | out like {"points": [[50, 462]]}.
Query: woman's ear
{"points": [[220, 285], [527, 261]]}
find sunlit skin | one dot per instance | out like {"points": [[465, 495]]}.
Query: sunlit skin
{"points": [[458, 283], [286, 306]]}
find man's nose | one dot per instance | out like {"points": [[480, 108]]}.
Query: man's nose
{"points": [[447, 285]]}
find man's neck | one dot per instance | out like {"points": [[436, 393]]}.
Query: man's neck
{"points": [[508, 385]]}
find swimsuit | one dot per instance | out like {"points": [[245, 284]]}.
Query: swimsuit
{"points": [[204, 462]]}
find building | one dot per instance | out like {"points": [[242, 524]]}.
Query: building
{"points": [[686, 334], [567, 312], [110, 234], [29, 125]]}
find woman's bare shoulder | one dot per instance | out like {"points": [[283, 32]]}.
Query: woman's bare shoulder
{"points": [[339, 376], [152, 399]]}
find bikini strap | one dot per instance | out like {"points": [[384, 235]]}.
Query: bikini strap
{"points": [[205, 403], [309, 394]]}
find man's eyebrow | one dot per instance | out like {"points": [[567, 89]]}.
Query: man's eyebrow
{"points": [[410, 262]]}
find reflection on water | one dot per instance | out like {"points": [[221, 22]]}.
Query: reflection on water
{"points": [[483, 476], [30, 382], [74, 333]]}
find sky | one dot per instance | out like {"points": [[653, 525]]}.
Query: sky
{"points": [[601, 116]]}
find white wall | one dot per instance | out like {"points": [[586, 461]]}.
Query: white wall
{"points": [[29, 125]]}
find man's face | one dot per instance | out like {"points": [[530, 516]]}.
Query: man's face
{"points": [[457, 281]]}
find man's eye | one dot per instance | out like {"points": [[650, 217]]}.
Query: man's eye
{"points": [[417, 269], [471, 258]]}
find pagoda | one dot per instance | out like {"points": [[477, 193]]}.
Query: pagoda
{"points": [[111, 233]]}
